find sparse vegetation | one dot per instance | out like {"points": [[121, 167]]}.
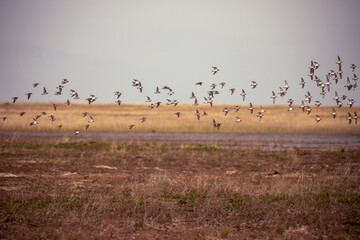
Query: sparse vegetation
{"points": [[51, 188]]}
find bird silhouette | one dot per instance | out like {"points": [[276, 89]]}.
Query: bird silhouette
{"points": [[243, 94], [251, 108], [197, 114], [215, 70], [253, 84], [14, 99]]}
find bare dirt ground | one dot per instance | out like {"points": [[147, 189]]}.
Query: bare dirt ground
{"points": [[77, 188]]}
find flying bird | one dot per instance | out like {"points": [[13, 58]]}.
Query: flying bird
{"points": [[349, 118], [317, 103], [312, 70], [44, 91], [138, 85], [302, 106], [143, 119], [262, 110], [74, 94], [14, 99], [333, 113], [60, 88], [281, 92], [308, 97], [351, 102], [251, 108], [210, 101], [197, 114], [336, 98], [339, 104], [348, 84], [157, 90], [34, 122], [52, 118], [355, 117], [215, 70], [353, 66], [327, 83], [286, 86], [273, 97], [338, 61], [302, 83], [216, 124], [243, 94], [117, 94], [157, 104], [253, 84], [91, 120]]}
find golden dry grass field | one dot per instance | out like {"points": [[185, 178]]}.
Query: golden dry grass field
{"points": [[113, 118]]}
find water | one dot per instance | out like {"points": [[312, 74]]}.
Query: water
{"points": [[235, 140]]}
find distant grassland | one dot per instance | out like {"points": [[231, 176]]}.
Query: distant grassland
{"points": [[110, 117]]}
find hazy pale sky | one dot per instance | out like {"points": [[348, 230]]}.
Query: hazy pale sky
{"points": [[100, 46]]}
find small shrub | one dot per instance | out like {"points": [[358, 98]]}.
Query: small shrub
{"points": [[224, 232]]}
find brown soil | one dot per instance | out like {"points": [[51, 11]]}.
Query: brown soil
{"points": [[80, 189]]}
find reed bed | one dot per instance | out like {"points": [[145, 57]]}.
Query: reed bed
{"points": [[113, 118]]}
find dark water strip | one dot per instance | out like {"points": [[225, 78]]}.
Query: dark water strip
{"points": [[263, 140]]}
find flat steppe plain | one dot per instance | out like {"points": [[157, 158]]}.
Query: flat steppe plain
{"points": [[88, 187], [81, 188]]}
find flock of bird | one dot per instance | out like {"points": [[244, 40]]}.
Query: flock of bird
{"points": [[332, 77]]}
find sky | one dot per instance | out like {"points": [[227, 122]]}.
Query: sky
{"points": [[101, 46]]}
